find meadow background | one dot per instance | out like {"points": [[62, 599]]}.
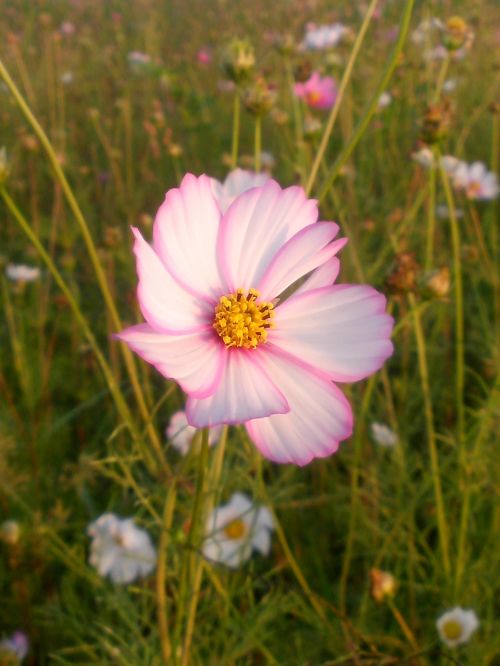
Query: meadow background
{"points": [[82, 423]]}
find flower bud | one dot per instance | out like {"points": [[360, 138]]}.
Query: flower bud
{"points": [[403, 277], [383, 585], [302, 71], [10, 532], [239, 60], [259, 97], [285, 44], [437, 284], [456, 34], [4, 166], [436, 123]]}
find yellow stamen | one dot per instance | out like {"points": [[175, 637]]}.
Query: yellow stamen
{"points": [[452, 629], [242, 322], [235, 529]]}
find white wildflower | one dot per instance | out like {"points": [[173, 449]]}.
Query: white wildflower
{"points": [[181, 434], [22, 273], [235, 529], [120, 549], [456, 626], [383, 435]]}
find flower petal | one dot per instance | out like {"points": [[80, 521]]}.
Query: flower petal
{"points": [[341, 330], [324, 276], [196, 360], [255, 226], [319, 418], [185, 234], [305, 251], [245, 392], [166, 306]]}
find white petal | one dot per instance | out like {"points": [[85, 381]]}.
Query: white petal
{"points": [[185, 233], [245, 392], [319, 418]]}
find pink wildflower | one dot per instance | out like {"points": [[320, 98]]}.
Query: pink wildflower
{"points": [[319, 92], [204, 56], [210, 288]]}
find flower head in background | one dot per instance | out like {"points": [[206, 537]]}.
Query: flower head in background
{"points": [[10, 532], [235, 529], [22, 273], [139, 62], [456, 626], [318, 92], [383, 435], [181, 434], [67, 28], [426, 29], [119, 549], [424, 157], [384, 100], [475, 181], [211, 289], [204, 55], [14, 649], [236, 182], [383, 585], [318, 38]]}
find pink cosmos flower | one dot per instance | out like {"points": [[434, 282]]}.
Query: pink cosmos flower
{"points": [[204, 55], [319, 92], [211, 290]]}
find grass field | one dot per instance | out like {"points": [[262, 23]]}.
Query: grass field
{"points": [[104, 106]]}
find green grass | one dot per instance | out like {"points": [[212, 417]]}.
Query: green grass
{"points": [[82, 422]]}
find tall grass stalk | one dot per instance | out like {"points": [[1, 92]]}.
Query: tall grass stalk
{"points": [[340, 95], [431, 434], [93, 255], [370, 109]]}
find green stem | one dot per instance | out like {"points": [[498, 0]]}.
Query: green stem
{"points": [[354, 492], [441, 78], [258, 142], [431, 435], [94, 257], [372, 105], [161, 571], [206, 489], [459, 309], [236, 129], [431, 219]]}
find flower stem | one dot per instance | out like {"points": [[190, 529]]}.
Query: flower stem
{"points": [[168, 512], [459, 308], [431, 219], [441, 78], [204, 488], [404, 625], [353, 508], [258, 142], [236, 129], [431, 435]]}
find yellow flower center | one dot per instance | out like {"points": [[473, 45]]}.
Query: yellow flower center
{"points": [[235, 529], [452, 629], [474, 188], [242, 322], [313, 97]]}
